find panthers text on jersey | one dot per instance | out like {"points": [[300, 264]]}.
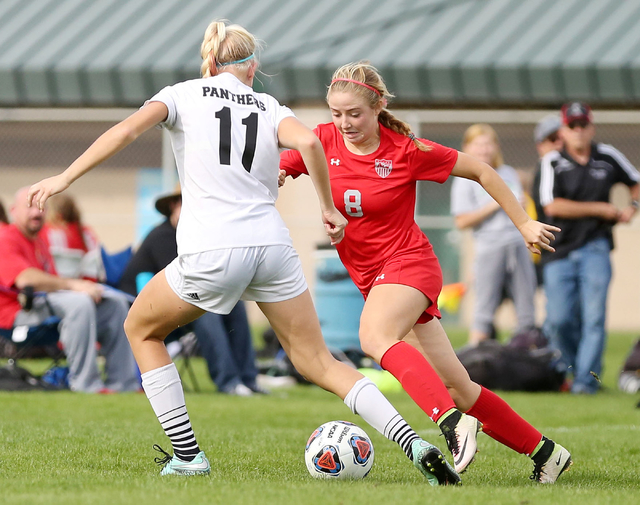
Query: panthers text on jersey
{"points": [[225, 139]]}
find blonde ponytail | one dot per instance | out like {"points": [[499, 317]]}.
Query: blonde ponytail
{"points": [[225, 45]]}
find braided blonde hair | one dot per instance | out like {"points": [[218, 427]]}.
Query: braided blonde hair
{"points": [[374, 91], [224, 44]]}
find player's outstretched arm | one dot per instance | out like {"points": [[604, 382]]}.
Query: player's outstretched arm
{"points": [[294, 135], [108, 144], [536, 235]]}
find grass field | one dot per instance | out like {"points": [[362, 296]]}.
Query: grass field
{"points": [[82, 449]]}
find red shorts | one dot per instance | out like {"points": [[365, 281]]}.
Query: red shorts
{"points": [[418, 268]]}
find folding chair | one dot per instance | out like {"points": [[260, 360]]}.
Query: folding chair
{"points": [[186, 344], [115, 265], [44, 334]]}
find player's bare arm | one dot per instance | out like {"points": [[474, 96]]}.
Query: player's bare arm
{"points": [[535, 234], [294, 135], [108, 144]]}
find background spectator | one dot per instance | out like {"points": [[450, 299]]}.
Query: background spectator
{"points": [[89, 313], [574, 194], [73, 245], [502, 261], [3, 215], [547, 138], [225, 341], [546, 135]]}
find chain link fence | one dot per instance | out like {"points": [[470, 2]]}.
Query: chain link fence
{"points": [[33, 147]]}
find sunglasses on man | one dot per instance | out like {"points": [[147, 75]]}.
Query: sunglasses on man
{"points": [[582, 123]]}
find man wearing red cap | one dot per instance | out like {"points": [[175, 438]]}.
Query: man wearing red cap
{"points": [[574, 193]]}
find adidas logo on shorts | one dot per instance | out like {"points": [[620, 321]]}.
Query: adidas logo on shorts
{"points": [[193, 296]]}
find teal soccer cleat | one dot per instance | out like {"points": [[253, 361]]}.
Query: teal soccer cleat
{"points": [[171, 465], [431, 462]]}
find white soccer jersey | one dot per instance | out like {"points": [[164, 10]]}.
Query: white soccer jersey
{"points": [[224, 137]]}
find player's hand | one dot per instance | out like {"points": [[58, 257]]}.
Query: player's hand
{"points": [[538, 236], [93, 289], [40, 192], [281, 178], [334, 224]]}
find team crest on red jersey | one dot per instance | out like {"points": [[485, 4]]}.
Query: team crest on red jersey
{"points": [[383, 168]]}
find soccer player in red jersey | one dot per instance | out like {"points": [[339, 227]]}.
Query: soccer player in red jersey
{"points": [[374, 162]]}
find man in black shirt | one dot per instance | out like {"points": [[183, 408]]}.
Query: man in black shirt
{"points": [[225, 340], [573, 193]]}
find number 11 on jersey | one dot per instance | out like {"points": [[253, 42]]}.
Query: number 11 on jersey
{"points": [[353, 203], [251, 124]]}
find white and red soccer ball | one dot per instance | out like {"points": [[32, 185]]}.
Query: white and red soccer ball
{"points": [[339, 450]]}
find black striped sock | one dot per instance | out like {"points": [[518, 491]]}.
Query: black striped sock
{"points": [[401, 433], [177, 427]]}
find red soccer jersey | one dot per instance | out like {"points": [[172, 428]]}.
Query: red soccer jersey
{"points": [[69, 236], [18, 253], [377, 195]]}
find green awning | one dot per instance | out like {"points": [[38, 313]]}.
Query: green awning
{"points": [[443, 52]]}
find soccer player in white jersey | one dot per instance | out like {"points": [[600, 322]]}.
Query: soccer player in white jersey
{"points": [[233, 244]]}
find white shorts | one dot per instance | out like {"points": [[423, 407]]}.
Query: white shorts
{"points": [[215, 280]]}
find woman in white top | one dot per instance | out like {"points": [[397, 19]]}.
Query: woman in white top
{"points": [[502, 261], [232, 243]]}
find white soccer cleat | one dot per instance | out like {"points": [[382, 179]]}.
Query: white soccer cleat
{"points": [[462, 441], [547, 471], [172, 465]]}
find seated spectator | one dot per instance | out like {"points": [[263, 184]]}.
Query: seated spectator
{"points": [[3, 216], [90, 314], [74, 246], [224, 340]]}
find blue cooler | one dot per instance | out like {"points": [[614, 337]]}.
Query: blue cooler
{"points": [[338, 302]]}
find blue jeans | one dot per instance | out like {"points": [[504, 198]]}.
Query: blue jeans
{"points": [[225, 343], [576, 288]]}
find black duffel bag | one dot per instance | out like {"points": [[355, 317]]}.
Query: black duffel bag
{"points": [[496, 366]]}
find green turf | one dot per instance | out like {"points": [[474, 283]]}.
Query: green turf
{"points": [[80, 449]]}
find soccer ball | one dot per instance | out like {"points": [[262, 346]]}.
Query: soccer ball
{"points": [[339, 450]]}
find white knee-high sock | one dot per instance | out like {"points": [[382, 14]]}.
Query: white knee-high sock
{"points": [[164, 390], [366, 400]]}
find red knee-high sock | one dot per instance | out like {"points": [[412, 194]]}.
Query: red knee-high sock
{"points": [[503, 424], [418, 379]]}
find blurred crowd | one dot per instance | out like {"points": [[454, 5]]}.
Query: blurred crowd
{"points": [[57, 253]]}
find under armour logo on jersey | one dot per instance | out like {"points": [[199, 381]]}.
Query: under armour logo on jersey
{"points": [[335, 161], [193, 296], [379, 278], [383, 167]]}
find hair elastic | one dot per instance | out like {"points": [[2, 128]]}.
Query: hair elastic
{"points": [[237, 61], [360, 83], [412, 136]]}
